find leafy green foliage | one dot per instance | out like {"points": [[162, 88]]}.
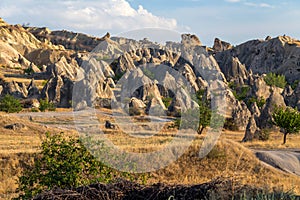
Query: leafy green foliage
{"points": [[260, 102], [288, 119], [201, 117], [46, 105], [64, 162], [167, 101], [295, 84], [241, 93], [273, 79], [29, 71], [10, 104]]}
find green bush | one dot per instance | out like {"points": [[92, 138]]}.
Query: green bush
{"points": [[64, 162], [260, 102], [29, 71], [264, 134], [167, 101], [295, 84], [10, 104], [203, 116], [288, 119], [273, 79], [46, 105], [239, 92]]}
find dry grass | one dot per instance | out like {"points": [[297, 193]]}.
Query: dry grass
{"points": [[16, 149], [229, 159], [275, 141]]}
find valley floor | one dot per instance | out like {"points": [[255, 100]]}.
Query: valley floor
{"points": [[229, 159]]}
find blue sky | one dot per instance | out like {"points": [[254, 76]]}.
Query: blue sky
{"points": [[232, 20]]}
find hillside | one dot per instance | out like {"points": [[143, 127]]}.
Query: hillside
{"points": [[143, 87]]}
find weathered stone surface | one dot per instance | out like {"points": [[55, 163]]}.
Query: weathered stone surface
{"points": [[275, 99], [136, 106], [51, 90], [33, 91], [232, 68], [251, 129], [294, 98], [237, 111], [30, 103], [16, 126], [279, 55], [220, 45]]}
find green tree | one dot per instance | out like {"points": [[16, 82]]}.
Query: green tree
{"points": [[273, 79], [203, 116], [10, 104], [288, 119], [63, 162]]}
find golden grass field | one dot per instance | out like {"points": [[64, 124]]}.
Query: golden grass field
{"points": [[229, 159]]}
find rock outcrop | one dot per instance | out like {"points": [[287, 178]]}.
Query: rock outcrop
{"points": [[220, 45], [275, 99], [279, 55], [251, 130]]}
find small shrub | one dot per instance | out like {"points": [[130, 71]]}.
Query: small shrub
{"points": [[46, 105], [64, 162], [239, 92], [28, 71], [260, 102], [167, 101], [44, 83], [10, 104], [264, 134], [230, 125], [273, 79], [177, 122], [34, 110], [295, 84]]}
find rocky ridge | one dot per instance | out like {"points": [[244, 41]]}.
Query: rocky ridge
{"points": [[86, 71]]}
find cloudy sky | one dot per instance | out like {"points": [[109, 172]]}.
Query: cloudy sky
{"points": [[232, 20]]}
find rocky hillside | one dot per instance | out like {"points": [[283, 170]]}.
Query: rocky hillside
{"points": [[76, 69]]}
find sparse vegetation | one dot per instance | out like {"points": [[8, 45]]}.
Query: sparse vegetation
{"points": [[295, 84], [201, 117], [44, 82], [260, 102], [29, 71], [167, 101], [64, 162], [273, 79], [10, 104], [46, 105], [288, 119], [264, 134]]}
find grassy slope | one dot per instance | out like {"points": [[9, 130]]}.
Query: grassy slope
{"points": [[229, 159]]}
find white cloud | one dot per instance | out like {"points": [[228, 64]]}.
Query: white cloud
{"points": [[260, 5], [88, 16]]}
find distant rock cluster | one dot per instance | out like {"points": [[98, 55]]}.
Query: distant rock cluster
{"points": [[83, 71]]}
